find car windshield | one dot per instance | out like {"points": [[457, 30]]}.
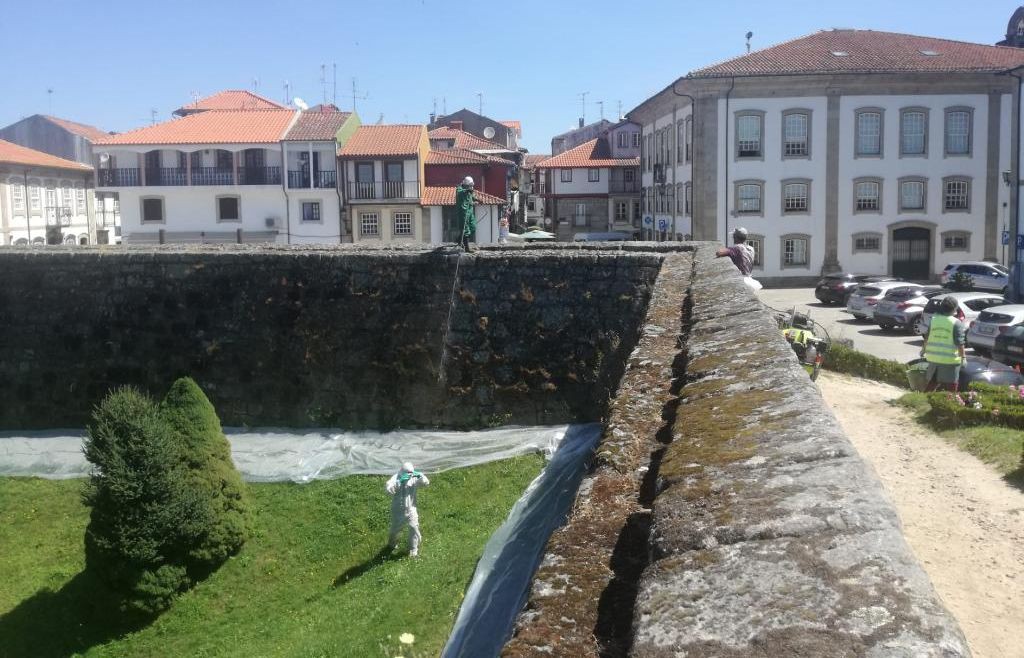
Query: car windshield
{"points": [[868, 291]]}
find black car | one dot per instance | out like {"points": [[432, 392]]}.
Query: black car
{"points": [[836, 288], [1009, 347]]}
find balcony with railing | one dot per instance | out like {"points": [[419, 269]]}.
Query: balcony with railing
{"points": [[123, 177], [393, 190], [259, 175], [321, 179], [619, 186], [166, 176], [212, 176]]}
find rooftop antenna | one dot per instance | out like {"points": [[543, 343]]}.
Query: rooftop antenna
{"points": [[480, 98], [255, 85], [195, 96], [435, 105], [334, 73], [323, 81], [600, 104], [583, 107], [444, 105], [356, 96], [287, 92], [152, 116], [380, 119], [49, 100], [749, 35]]}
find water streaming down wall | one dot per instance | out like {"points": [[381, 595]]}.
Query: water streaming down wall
{"points": [[340, 337]]}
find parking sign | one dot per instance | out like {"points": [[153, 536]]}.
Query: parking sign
{"points": [[662, 224]]}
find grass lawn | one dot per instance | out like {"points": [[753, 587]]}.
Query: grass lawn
{"points": [[313, 581], [998, 446]]}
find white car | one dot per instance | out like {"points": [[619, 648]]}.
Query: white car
{"points": [[984, 275], [863, 300], [969, 307], [991, 322]]}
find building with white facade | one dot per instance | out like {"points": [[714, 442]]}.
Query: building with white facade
{"points": [[44, 199], [265, 175], [847, 149]]}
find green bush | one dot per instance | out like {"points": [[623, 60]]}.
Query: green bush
{"points": [[191, 418], [848, 360], [141, 512], [981, 404], [167, 504]]}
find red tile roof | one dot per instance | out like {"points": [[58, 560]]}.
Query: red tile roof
{"points": [[465, 140], [317, 125], [456, 157], [514, 125], [231, 99], [20, 155], [383, 141], [534, 159], [445, 196], [866, 51], [82, 130], [222, 127], [594, 153]]}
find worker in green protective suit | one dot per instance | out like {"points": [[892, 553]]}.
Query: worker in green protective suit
{"points": [[464, 206]]}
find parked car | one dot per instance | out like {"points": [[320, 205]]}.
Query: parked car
{"points": [[863, 300], [976, 369], [902, 307], [1009, 346], [984, 276], [836, 288], [991, 322], [969, 307]]}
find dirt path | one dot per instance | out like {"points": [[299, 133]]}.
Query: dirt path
{"points": [[963, 522]]}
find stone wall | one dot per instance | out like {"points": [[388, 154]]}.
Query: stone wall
{"points": [[733, 516], [344, 337]]}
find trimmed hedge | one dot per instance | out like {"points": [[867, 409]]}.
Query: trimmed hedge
{"points": [[848, 360], [981, 404]]}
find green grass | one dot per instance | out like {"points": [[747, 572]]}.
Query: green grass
{"points": [[311, 582], [1000, 447]]}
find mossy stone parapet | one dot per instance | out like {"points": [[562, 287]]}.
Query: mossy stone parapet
{"points": [[323, 336]]}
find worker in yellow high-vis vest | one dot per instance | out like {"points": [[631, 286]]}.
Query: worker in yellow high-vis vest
{"points": [[944, 347]]}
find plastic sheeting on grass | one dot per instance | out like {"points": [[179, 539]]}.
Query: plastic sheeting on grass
{"points": [[277, 455], [503, 574]]}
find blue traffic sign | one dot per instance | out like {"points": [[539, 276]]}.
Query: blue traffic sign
{"points": [[1020, 241], [662, 224]]}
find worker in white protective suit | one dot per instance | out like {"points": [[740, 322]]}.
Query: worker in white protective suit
{"points": [[402, 486]]}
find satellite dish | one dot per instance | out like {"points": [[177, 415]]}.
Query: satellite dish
{"points": [[104, 158], [299, 103], [489, 132]]}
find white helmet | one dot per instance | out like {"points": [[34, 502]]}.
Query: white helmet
{"points": [[408, 467], [467, 181]]}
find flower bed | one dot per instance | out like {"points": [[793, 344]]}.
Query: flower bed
{"points": [[981, 404]]}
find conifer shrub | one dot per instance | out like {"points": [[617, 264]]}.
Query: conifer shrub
{"points": [[167, 504]]}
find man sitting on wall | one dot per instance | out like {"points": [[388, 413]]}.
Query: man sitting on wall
{"points": [[742, 256]]}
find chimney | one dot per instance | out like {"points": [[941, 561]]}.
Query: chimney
{"points": [[581, 122], [457, 125]]}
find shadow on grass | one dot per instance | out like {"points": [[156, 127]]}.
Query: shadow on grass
{"points": [[1015, 478], [383, 555], [77, 617]]}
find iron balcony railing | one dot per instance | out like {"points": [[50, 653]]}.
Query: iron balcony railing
{"points": [[624, 186], [324, 179], [165, 176], [212, 176], [383, 190], [259, 175], [125, 177]]}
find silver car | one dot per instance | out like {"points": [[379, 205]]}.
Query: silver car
{"points": [[991, 322], [969, 307], [863, 300], [984, 275], [902, 307]]}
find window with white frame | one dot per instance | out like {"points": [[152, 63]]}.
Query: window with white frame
{"points": [[403, 223], [956, 241], [621, 211], [565, 175], [794, 252], [17, 196], [51, 205], [870, 242], [956, 194], [80, 195], [748, 135], [688, 202], [868, 136], [689, 138], [913, 132], [795, 134], [794, 197], [748, 198], [912, 195], [958, 131], [636, 210], [67, 198], [867, 196], [593, 175], [369, 224], [33, 195], [311, 211], [756, 243], [636, 140], [681, 141], [628, 175], [579, 218], [622, 139]]}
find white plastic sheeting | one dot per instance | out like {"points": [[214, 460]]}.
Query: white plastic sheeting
{"points": [[503, 574], [276, 455]]}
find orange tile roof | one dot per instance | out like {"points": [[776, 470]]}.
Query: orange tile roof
{"points": [[231, 99], [220, 127], [317, 125], [514, 125], [445, 196], [383, 141], [594, 153], [82, 130], [455, 157], [19, 155], [465, 140], [534, 159], [869, 52]]}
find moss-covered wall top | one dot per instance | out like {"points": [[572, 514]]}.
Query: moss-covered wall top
{"points": [[331, 337]]}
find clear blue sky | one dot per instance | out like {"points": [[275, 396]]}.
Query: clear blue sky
{"points": [[110, 62]]}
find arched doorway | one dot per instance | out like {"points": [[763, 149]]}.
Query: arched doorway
{"points": [[912, 252]]}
